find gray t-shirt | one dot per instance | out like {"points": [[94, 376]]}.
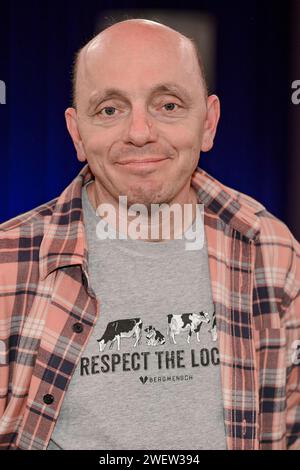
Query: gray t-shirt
{"points": [[149, 377]]}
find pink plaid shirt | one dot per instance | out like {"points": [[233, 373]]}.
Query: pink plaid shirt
{"points": [[45, 293]]}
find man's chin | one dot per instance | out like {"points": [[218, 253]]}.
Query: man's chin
{"points": [[145, 196]]}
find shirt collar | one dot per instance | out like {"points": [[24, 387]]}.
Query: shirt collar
{"points": [[234, 208], [64, 241]]}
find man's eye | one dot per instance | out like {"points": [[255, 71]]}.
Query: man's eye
{"points": [[107, 108], [172, 104]]}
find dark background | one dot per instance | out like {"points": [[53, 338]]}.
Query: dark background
{"points": [[257, 148]]}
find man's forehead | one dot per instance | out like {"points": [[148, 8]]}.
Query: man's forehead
{"points": [[117, 48], [133, 39]]}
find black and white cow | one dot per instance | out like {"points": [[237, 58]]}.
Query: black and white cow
{"points": [[213, 329], [154, 337], [117, 329], [190, 322]]}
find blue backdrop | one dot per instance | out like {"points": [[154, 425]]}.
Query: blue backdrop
{"points": [[38, 41]]}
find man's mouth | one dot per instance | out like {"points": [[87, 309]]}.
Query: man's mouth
{"points": [[142, 161], [143, 166]]}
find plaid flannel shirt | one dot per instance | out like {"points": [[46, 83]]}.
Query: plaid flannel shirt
{"points": [[45, 290]]}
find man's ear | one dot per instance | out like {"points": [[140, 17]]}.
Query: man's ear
{"points": [[72, 125], [211, 122]]}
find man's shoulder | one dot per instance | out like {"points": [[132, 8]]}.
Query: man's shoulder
{"points": [[277, 250], [33, 221], [37, 240], [20, 242], [273, 230], [246, 200], [240, 211]]}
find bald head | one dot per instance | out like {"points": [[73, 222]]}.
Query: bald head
{"points": [[126, 34]]}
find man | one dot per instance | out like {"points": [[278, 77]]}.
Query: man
{"points": [[121, 343]]}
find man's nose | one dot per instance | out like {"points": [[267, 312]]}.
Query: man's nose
{"points": [[140, 127]]}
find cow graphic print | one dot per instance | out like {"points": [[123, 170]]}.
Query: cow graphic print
{"points": [[185, 323]]}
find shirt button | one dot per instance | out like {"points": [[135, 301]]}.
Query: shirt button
{"points": [[48, 399], [77, 327]]}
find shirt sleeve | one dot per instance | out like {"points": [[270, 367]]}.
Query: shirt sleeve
{"points": [[291, 305]]}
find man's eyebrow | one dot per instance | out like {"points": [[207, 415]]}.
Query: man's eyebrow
{"points": [[169, 88]]}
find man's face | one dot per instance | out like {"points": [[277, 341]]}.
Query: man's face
{"points": [[158, 114]]}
